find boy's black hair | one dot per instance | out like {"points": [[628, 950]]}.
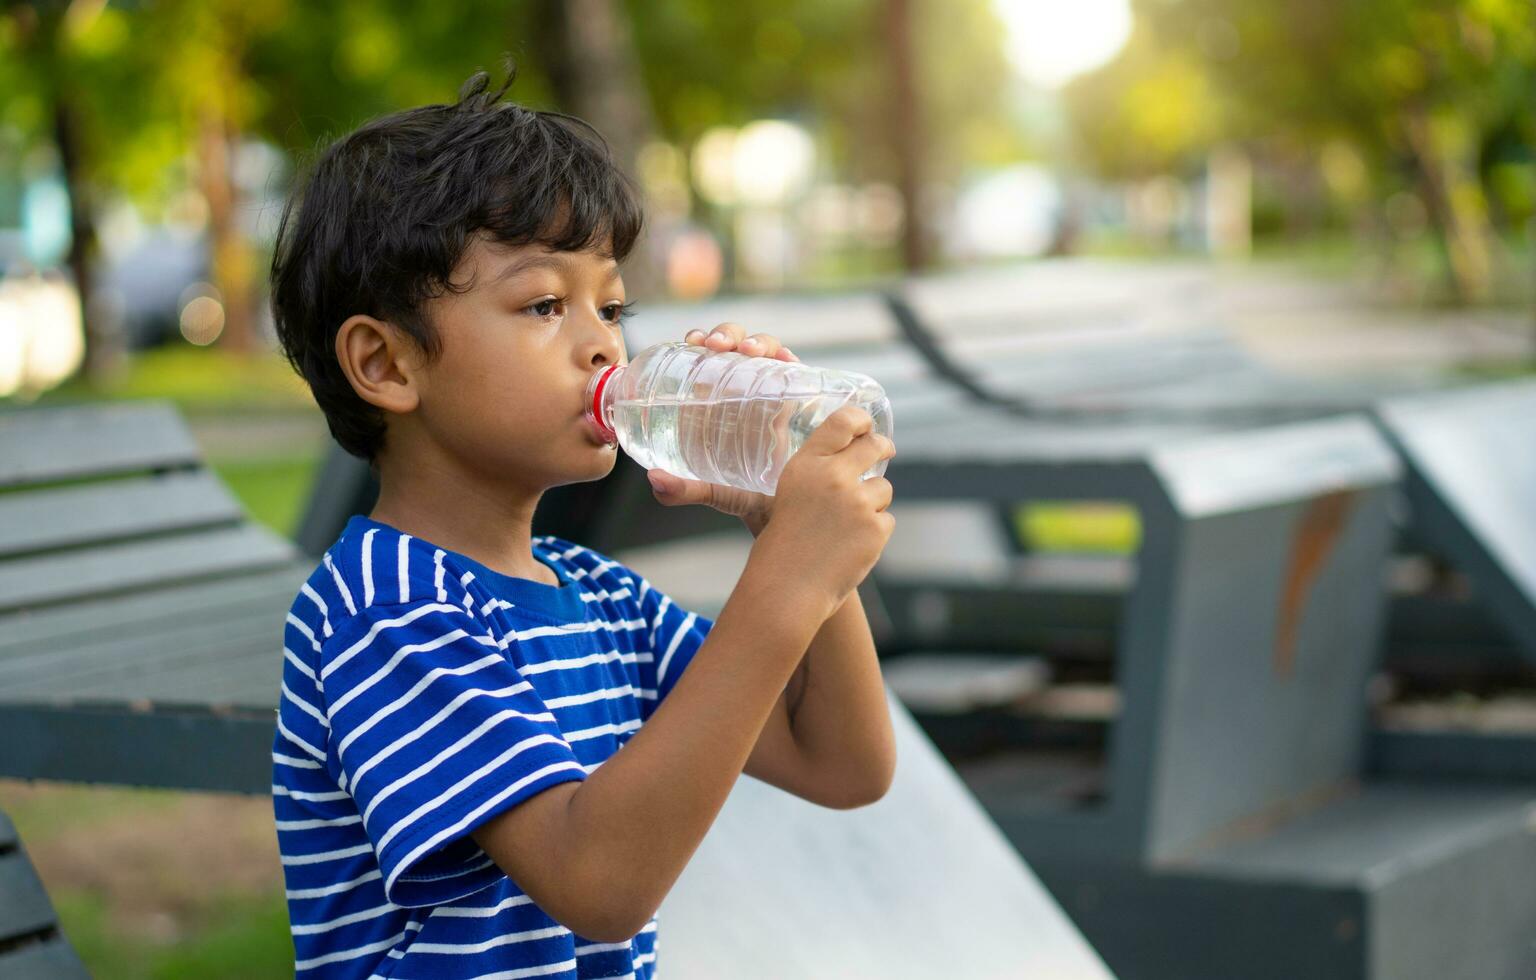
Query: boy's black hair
{"points": [[386, 213]]}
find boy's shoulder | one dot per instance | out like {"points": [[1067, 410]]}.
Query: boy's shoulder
{"points": [[372, 564]]}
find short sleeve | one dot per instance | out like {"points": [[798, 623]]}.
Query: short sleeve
{"points": [[434, 731], [673, 636]]}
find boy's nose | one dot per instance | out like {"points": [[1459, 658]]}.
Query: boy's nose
{"points": [[602, 348]]}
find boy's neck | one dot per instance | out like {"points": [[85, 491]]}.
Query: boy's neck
{"points": [[460, 511]]}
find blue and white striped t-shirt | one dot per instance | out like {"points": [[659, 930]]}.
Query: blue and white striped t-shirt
{"points": [[422, 695]]}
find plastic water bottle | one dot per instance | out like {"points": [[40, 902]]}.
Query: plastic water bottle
{"points": [[723, 417]]}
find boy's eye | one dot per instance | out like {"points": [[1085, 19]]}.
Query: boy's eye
{"points": [[544, 307], [618, 312]]}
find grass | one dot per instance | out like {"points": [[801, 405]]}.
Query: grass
{"points": [[1079, 528], [198, 380], [151, 883], [272, 490], [236, 938]]}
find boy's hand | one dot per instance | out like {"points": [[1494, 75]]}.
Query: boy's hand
{"points": [[829, 525], [673, 491], [733, 336]]}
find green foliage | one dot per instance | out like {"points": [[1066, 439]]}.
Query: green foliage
{"points": [[239, 938], [199, 380], [333, 66], [1349, 107], [1312, 71], [824, 62], [143, 77], [1152, 110]]}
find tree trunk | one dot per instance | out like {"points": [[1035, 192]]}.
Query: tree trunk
{"points": [[1461, 229], [904, 126], [230, 258], [590, 61], [103, 346], [37, 39]]}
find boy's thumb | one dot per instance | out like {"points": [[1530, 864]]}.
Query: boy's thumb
{"points": [[669, 489]]}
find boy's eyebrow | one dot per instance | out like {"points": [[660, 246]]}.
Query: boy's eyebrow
{"points": [[555, 263]]}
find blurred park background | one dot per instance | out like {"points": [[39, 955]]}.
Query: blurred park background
{"points": [[1355, 180]]}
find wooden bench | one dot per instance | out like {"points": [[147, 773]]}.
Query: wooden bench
{"points": [[138, 604], [1096, 343], [31, 945]]}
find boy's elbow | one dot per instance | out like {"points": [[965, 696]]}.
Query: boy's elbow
{"points": [[610, 928], [850, 801], [870, 787], [607, 912]]}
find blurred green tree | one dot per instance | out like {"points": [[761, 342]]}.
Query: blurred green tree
{"points": [[148, 99], [45, 106], [1419, 90], [828, 64]]}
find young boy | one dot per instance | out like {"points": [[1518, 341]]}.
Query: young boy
{"points": [[450, 794]]}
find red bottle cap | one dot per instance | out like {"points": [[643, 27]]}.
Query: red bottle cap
{"points": [[595, 410]]}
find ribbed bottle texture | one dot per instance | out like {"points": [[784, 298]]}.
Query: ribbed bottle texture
{"points": [[724, 417]]}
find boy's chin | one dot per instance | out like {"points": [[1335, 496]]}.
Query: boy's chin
{"points": [[599, 462]]}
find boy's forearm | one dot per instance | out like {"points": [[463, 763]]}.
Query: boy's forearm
{"points": [[639, 817], [841, 722]]}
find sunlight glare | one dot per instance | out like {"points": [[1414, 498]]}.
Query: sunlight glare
{"points": [[1050, 42]]}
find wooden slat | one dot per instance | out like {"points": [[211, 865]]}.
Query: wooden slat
{"points": [[82, 670], [49, 960], [989, 437], [250, 680], [40, 445], [99, 513], [128, 670], [91, 620], [24, 906], [1088, 371], [139, 564]]}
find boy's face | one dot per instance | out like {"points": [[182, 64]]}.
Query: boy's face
{"points": [[505, 397]]}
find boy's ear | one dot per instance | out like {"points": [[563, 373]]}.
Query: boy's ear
{"points": [[381, 362]]}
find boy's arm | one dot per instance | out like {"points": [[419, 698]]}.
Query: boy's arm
{"points": [[828, 738], [600, 855]]}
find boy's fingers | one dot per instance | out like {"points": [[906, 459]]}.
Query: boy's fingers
{"points": [[727, 336], [880, 492], [840, 428], [674, 491], [732, 336], [867, 450], [761, 345]]}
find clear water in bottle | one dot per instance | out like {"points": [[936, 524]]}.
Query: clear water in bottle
{"points": [[724, 417]]}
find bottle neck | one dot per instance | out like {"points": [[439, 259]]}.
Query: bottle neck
{"points": [[600, 392]]}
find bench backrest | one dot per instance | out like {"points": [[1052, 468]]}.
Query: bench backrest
{"points": [[31, 946], [120, 551], [1471, 461], [97, 500]]}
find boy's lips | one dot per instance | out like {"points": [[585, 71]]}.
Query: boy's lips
{"points": [[596, 434]]}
